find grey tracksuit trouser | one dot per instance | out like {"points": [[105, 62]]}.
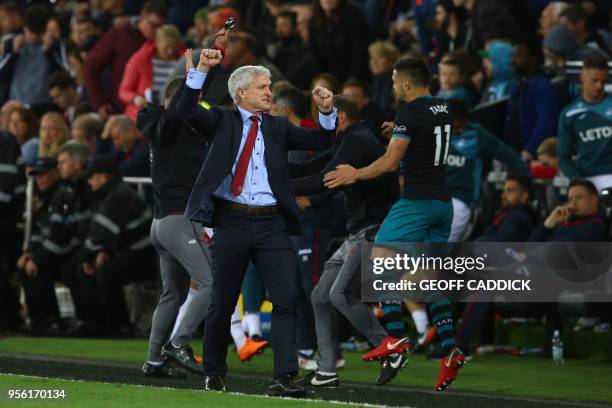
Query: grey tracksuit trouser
{"points": [[183, 255], [330, 293]]}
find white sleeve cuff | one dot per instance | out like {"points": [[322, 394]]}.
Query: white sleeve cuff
{"points": [[328, 121], [195, 79]]}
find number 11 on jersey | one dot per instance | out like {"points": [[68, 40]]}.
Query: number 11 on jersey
{"points": [[439, 147]]}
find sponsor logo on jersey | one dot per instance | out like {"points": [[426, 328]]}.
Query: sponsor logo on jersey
{"points": [[603, 132], [455, 160], [399, 129]]}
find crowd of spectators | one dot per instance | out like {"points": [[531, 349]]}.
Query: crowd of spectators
{"points": [[74, 74]]}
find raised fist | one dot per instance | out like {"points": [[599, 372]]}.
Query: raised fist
{"points": [[208, 59]]}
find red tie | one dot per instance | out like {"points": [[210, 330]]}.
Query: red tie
{"points": [[245, 157]]}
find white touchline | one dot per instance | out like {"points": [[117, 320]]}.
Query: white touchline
{"points": [[352, 404]]}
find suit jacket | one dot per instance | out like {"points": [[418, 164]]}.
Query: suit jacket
{"points": [[222, 128]]}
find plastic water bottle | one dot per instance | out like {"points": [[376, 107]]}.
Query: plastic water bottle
{"points": [[557, 348]]}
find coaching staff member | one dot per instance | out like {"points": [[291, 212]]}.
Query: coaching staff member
{"points": [[245, 193]]}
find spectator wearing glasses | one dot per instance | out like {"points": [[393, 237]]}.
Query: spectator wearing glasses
{"points": [[113, 51]]}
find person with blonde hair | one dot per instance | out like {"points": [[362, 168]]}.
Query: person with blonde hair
{"points": [[383, 55], [52, 134], [149, 69], [547, 164]]}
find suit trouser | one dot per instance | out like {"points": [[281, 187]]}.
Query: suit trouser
{"points": [[123, 268], [331, 292], [9, 252], [183, 255], [264, 239], [40, 289], [311, 248], [71, 271]]}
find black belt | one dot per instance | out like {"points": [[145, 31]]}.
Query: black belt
{"points": [[248, 209]]}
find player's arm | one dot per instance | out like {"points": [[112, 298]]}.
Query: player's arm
{"points": [[565, 148], [388, 162]]}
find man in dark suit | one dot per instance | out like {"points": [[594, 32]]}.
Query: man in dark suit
{"points": [[245, 193]]}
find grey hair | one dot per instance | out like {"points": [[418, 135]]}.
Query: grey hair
{"points": [[76, 150], [242, 78], [91, 123]]}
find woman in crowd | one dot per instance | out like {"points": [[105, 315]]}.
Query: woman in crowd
{"points": [[52, 134]]}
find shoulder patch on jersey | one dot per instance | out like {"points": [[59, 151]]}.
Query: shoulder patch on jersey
{"points": [[574, 112]]}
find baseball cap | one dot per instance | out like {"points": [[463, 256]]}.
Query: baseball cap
{"points": [[42, 165]]}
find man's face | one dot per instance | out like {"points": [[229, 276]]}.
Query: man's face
{"points": [[96, 181], [68, 167], [235, 52], [46, 180], [593, 82], [149, 25], [356, 92], [513, 194], [84, 30], [258, 96], [521, 60], [577, 27], [450, 78], [123, 139], [581, 202], [284, 27], [63, 97], [399, 88], [80, 136]]}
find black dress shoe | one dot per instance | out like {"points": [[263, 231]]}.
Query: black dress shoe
{"points": [[285, 387], [162, 371], [214, 383], [183, 356]]}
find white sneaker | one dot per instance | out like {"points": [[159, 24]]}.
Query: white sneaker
{"points": [[308, 364], [340, 363]]}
